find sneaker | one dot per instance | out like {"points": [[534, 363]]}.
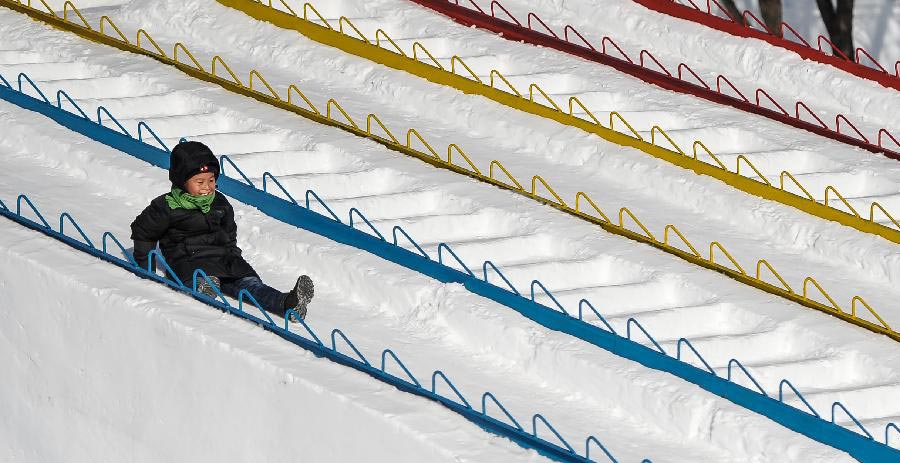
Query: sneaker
{"points": [[203, 287], [299, 297]]}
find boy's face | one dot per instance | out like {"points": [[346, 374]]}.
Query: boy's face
{"points": [[201, 184]]}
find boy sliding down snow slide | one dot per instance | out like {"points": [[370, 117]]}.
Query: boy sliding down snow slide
{"points": [[194, 225]]}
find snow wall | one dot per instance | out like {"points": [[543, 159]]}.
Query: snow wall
{"points": [[95, 373]]}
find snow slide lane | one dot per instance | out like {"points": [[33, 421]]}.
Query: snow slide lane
{"points": [[572, 162], [421, 314], [729, 319], [842, 253], [476, 343], [102, 364], [764, 145], [749, 64]]}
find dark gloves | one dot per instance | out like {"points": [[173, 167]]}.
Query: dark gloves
{"points": [[141, 250]]}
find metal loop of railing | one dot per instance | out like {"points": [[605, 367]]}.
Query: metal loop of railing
{"points": [[101, 110], [293, 315], [606, 40], [632, 321], [696, 76], [66, 215], [223, 159], [33, 209], [746, 373], [143, 125], [244, 293], [584, 302], [488, 395], [337, 332], [850, 415], [644, 52], [448, 383], [720, 78], [690, 346], [62, 93], [549, 294], [268, 176], [398, 228], [194, 280], [323, 203], [129, 257], [587, 450], [441, 247], [397, 360], [151, 264], [534, 430], [787, 383], [33, 85], [760, 91], [367, 222], [510, 15], [532, 15], [887, 430], [502, 276]]}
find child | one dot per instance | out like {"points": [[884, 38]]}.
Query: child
{"points": [[195, 228]]}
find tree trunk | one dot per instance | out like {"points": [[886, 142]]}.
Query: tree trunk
{"points": [[733, 11], [771, 13], [839, 23]]}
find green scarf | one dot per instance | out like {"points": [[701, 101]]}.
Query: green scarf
{"points": [[179, 199]]}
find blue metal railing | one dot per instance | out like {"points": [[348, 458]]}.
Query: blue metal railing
{"points": [[684, 341], [445, 247], [549, 294], [633, 322], [740, 365], [409, 384], [787, 383]]}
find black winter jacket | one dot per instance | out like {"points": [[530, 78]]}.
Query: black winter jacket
{"points": [[190, 239]]}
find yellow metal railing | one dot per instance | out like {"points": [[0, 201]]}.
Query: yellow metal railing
{"points": [[683, 240], [772, 270], [218, 59], [890, 232], [432, 156]]}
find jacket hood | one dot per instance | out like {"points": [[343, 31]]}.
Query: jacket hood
{"points": [[190, 158]]}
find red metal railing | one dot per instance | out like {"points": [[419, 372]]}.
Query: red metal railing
{"points": [[744, 28], [513, 29]]}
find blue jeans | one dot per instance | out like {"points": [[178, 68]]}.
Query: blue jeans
{"points": [[269, 298]]}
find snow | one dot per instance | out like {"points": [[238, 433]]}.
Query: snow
{"points": [[478, 344], [748, 64], [636, 412], [102, 366]]}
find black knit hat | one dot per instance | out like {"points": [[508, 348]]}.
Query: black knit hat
{"points": [[190, 158]]}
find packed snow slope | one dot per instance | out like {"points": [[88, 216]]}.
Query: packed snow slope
{"points": [[749, 64], [672, 298], [478, 344], [569, 159], [100, 365]]}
